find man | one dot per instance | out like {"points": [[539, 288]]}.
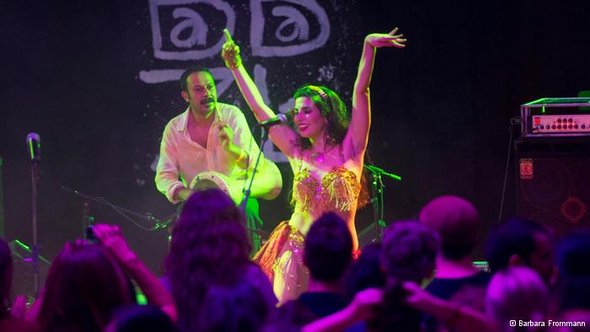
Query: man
{"points": [[212, 136], [327, 255], [457, 222], [522, 242]]}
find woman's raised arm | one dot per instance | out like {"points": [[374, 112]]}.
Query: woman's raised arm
{"points": [[358, 132], [282, 135]]}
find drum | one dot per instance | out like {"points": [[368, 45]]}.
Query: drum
{"points": [[211, 179]]}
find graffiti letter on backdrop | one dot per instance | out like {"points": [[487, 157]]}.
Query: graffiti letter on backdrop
{"points": [[300, 18], [181, 29], [194, 23]]}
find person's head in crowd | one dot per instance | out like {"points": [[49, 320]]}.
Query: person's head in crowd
{"points": [[84, 285], [521, 242], [366, 271], [327, 255], [209, 241], [572, 295], [409, 251], [574, 274], [328, 249], [5, 278], [236, 307], [571, 251], [208, 253], [140, 318], [457, 222], [408, 254], [516, 293]]}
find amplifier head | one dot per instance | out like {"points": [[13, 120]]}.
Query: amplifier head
{"points": [[548, 117]]}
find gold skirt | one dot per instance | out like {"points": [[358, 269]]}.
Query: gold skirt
{"points": [[281, 259]]}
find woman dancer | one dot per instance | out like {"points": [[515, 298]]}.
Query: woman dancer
{"points": [[325, 149]]}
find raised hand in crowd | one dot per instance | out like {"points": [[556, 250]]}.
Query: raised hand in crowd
{"points": [[110, 237]]}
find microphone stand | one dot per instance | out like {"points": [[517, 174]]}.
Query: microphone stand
{"points": [[252, 227], [35, 176], [377, 200], [158, 224], [263, 139]]}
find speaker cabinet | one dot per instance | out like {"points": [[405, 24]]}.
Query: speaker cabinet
{"points": [[553, 182]]}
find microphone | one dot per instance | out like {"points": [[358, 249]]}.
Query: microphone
{"points": [[34, 144], [280, 118]]}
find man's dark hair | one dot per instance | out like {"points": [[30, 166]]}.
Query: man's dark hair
{"points": [[457, 222], [515, 237], [409, 250], [328, 248], [188, 72]]}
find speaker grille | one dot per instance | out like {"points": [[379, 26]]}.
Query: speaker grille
{"points": [[553, 184]]}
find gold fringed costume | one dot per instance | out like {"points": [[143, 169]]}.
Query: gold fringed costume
{"points": [[281, 257]]}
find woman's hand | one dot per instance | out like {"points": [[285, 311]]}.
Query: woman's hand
{"points": [[230, 52], [392, 39]]}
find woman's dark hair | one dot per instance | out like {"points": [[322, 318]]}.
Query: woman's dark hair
{"points": [[209, 247], [331, 107], [84, 286]]}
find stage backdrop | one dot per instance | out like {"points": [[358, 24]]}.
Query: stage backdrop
{"points": [[98, 81]]}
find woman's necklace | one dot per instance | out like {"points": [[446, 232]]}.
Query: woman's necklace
{"points": [[320, 156]]}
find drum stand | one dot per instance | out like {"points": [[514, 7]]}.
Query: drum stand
{"points": [[377, 193], [88, 219]]}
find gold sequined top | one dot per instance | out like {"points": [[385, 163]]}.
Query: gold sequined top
{"points": [[338, 190]]}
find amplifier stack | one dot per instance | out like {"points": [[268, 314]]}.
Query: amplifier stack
{"points": [[553, 163]]}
